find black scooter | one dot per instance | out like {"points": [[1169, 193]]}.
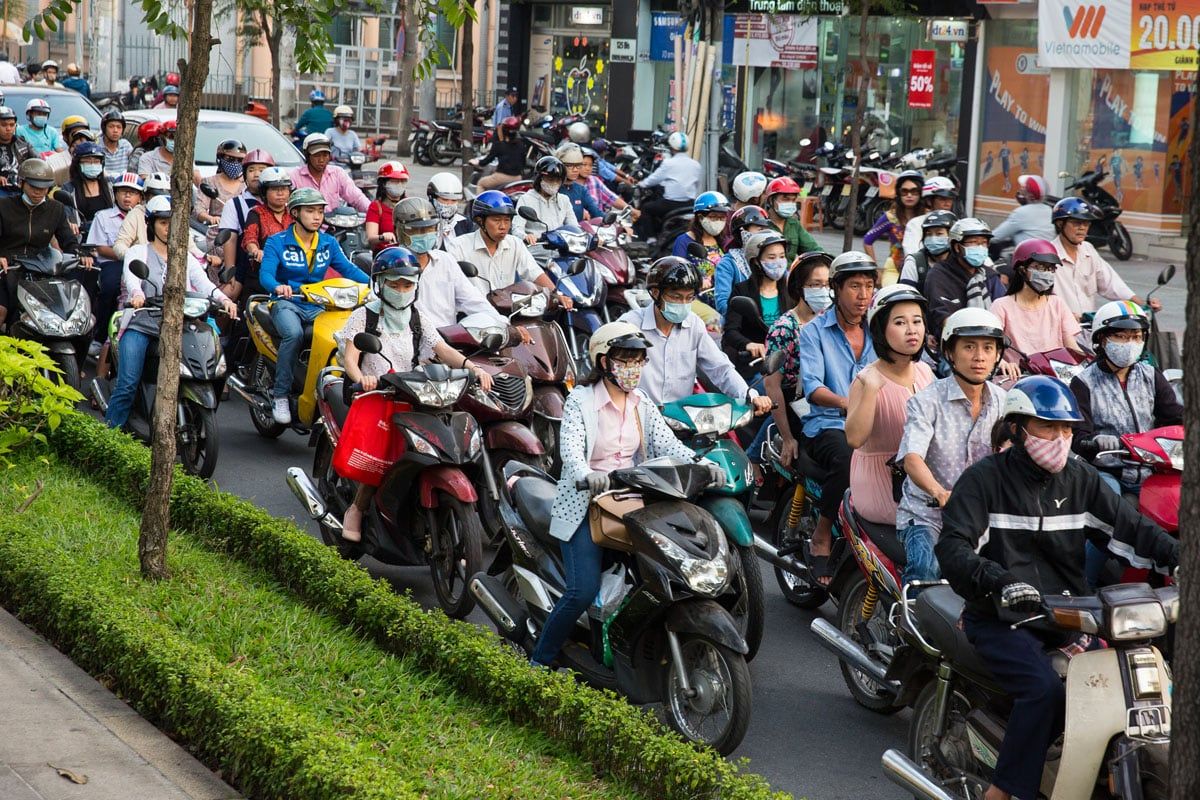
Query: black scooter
{"points": [[656, 632], [54, 309]]}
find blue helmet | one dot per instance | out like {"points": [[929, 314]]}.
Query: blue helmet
{"points": [[316, 96], [492, 203], [713, 202], [396, 262], [1042, 397], [86, 149], [1073, 208]]}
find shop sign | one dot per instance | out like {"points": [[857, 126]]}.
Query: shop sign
{"points": [[920, 79], [1164, 35], [587, 15], [1084, 34], [666, 25], [789, 42], [949, 30], [622, 51], [804, 8]]}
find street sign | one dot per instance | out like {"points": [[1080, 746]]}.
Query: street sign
{"points": [[587, 15], [622, 51], [949, 30]]}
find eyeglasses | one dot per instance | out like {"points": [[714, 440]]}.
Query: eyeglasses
{"points": [[916, 192]]}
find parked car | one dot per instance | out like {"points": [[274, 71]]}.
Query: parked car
{"points": [[215, 127], [63, 103]]}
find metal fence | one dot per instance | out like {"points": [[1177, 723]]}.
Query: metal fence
{"points": [[364, 78], [223, 91]]}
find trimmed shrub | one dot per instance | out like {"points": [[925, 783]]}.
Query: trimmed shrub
{"points": [[30, 402]]}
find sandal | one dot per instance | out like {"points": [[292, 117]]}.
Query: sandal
{"points": [[818, 567], [352, 524]]}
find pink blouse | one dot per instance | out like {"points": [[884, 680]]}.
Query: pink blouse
{"points": [[1036, 331], [617, 435]]}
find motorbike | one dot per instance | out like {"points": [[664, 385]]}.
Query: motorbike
{"points": [[347, 226], [1059, 363], [1107, 231], [425, 510], [352, 162], [201, 375], [419, 138], [253, 382], [1118, 698], [616, 267], [659, 632], [54, 309]]}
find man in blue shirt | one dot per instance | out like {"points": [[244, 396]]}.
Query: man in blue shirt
{"points": [[300, 255], [680, 177], [316, 119], [506, 107], [571, 155], [834, 348], [76, 81]]}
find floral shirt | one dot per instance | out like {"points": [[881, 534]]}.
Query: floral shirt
{"points": [[785, 336], [887, 225]]}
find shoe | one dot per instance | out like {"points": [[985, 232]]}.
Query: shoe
{"points": [[352, 524], [281, 411], [94, 350]]}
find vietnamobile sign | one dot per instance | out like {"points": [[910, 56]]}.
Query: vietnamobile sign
{"points": [[1084, 33]]}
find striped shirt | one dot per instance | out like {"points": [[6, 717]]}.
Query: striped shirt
{"points": [[117, 163]]}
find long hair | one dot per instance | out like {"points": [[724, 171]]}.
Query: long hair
{"points": [[77, 179], [903, 216]]}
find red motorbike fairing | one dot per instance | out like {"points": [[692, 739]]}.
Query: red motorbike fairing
{"points": [[451, 480], [512, 435], [548, 401]]}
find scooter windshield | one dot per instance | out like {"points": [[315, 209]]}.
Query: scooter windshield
{"points": [[47, 262]]}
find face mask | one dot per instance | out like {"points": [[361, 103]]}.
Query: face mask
{"points": [[30, 202], [397, 298], [1041, 280], [786, 210], [447, 210], [395, 189], [975, 255], [936, 245], [91, 170], [344, 124], [550, 189], [231, 169], [775, 269], [818, 298], [712, 226], [1124, 354], [625, 376], [676, 312], [170, 145], [39, 121], [422, 242], [1049, 454]]}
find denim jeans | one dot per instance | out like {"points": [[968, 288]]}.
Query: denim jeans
{"points": [[920, 562], [1097, 558], [288, 319], [131, 357], [582, 560]]}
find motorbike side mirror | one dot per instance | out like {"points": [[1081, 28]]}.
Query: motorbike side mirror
{"points": [[744, 306], [697, 251], [577, 266], [610, 217], [226, 274], [492, 342], [1166, 275], [208, 191], [468, 269], [774, 362], [368, 343], [895, 140], [528, 214], [363, 261], [139, 269], [64, 197], [224, 236]]}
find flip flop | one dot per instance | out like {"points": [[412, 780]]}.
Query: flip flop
{"points": [[818, 567]]}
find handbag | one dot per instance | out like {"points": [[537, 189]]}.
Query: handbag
{"points": [[606, 513], [369, 443], [898, 475]]}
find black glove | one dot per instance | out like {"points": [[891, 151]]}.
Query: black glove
{"points": [[1021, 597]]}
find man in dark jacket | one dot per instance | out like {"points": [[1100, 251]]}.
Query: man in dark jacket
{"points": [[963, 280], [1013, 531]]}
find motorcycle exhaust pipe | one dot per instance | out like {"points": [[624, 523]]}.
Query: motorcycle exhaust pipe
{"points": [[846, 649], [508, 616], [767, 551], [239, 388], [904, 772], [98, 395], [302, 486]]}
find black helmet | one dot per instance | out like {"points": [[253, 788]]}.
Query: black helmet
{"points": [[548, 167], [112, 115], [939, 219], [743, 218], [673, 272]]}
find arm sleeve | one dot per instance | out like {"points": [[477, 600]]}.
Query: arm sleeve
{"points": [[733, 338], [1167, 410], [375, 212], [129, 281], [591, 206], [964, 519], [607, 195], [1118, 526], [718, 367], [345, 267], [1081, 436], [681, 245], [572, 441], [723, 280], [653, 179], [527, 266], [198, 280], [353, 195], [918, 427], [229, 216], [67, 240], [939, 307], [253, 229], [95, 234], [908, 274], [880, 227], [1109, 283], [518, 222], [807, 242], [126, 236], [812, 359], [1008, 228], [912, 236]]}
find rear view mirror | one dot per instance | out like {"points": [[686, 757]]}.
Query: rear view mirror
{"points": [[745, 306], [1064, 174], [224, 236], [368, 343], [209, 191], [697, 251], [226, 274], [1166, 275], [774, 362], [139, 269], [65, 198], [528, 214], [363, 261], [468, 269], [492, 342], [895, 140]]}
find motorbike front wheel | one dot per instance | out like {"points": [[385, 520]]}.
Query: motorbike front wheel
{"points": [[850, 617], [718, 711], [456, 540], [1119, 242], [69, 365], [421, 153], [198, 440]]}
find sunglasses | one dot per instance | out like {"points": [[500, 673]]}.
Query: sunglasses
{"points": [[916, 192]]}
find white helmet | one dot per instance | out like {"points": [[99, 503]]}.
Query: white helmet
{"points": [[570, 154], [938, 186], [343, 111], [967, 227], [615, 336], [159, 206], [316, 142], [273, 178], [158, 182], [37, 104], [889, 296], [850, 262], [749, 185], [445, 185], [579, 132], [677, 141], [976, 322]]}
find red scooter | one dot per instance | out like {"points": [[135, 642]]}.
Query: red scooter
{"points": [[1059, 363], [616, 268], [1160, 449]]}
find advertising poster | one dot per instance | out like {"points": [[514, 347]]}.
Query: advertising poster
{"points": [[920, 79], [1164, 35], [784, 41], [1013, 125], [1088, 35]]}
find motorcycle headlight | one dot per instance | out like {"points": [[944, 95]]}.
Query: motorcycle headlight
{"points": [[703, 576], [715, 419], [1137, 621], [676, 425], [421, 444], [479, 333], [221, 365], [342, 220], [1064, 371], [184, 370], [194, 307], [476, 443], [480, 396], [358, 159], [536, 306], [342, 298], [1174, 450], [43, 318], [576, 242]]}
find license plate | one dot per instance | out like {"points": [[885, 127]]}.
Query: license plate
{"points": [[874, 190], [846, 190], [828, 190]]}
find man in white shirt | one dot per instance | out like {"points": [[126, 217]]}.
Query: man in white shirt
{"points": [[8, 72], [679, 176], [1030, 220], [553, 209], [1083, 274]]}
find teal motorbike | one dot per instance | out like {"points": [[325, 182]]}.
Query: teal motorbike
{"points": [[703, 421]]}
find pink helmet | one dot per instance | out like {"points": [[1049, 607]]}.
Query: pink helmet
{"points": [[1033, 187], [1035, 250]]}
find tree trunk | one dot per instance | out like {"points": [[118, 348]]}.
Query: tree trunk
{"points": [[1185, 725], [408, 81], [466, 68], [156, 519], [856, 133]]}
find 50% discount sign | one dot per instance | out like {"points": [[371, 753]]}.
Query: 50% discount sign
{"points": [[920, 79]]}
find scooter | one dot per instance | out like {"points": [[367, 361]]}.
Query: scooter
{"points": [[352, 163], [614, 263], [426, 508], [201, 375], [1118, 699], [347, 226], [659, 632], [54, 310]]}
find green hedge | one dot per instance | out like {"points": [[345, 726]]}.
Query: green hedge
{"points": [[619, 740], [260, 742]]}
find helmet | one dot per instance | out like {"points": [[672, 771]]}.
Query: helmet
{"points": [[129, 180], [393, 171], [36, 172], [967, 227], [492, 203], [912, 176], [579, 132], [414, 214], [877, 314], [305, 197], [72, 122], [49, 64], [231, 147], [588, 152], [72, 68], [88, 149], [977, 322], [7, 113], [316, 143], [938, 186], [1033, 187], [783, 185], [1073, 208], [38, 105], [1034, 250], [743, 218], [615, 336], [82, 133], [258, 156], [170, 89], [760, 241], [273, 178], [170, 126], [512, 90], [112, 115], [343, 111], [158, 183], [445, 185], [511, 123], [1119, 315], [748, 185], [794, 286], [148, 130], [1042, 397], [938, 219], [600, 145], [677, 141], [711, 202], [849, 263], [316, 96], [395, 262], [549, 167], [673, 272], [569, 154], [172, 79], [158, 207]]}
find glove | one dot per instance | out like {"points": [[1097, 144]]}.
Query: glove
{"points": [[1106, 441], [597, 482], [716, 476], [1021, 597]]}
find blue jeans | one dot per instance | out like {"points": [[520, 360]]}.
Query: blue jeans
{"points": [[920, 563], [1096, 558], [582, 560], [131, 357], [288, 319]]}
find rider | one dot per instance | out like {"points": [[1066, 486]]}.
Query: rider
{"points": [[228, 182], [333, 183], [608, 423], [949, 427], [993, 549], [745, 338], [49, 74], [963, 280], [41, 135], [128, 190], [551, 205], [236, 213], [90, 191], [445, 192], [298, 256], [117, 148], [343, 140], [147, 133], [604, 197], [390, 187], [935, 247], [76, 82], [161, 157], [779, 200], [407, 340], [893, 222], [747, 188], [710, 216], [508, 151], [733, 267], [264, 221], [1035, 319], [939, 194], [680, 177], [1031, 219], [170, 97], [14, 150], [1084, 274], [582, 203], [316, 118]]}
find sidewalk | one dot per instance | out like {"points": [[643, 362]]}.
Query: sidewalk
{"points": [[54, 713]]}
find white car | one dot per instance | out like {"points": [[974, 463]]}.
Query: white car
{"points": [[215, 127]]}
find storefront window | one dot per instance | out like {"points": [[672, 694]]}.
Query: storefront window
{"points": [[569, 59]]}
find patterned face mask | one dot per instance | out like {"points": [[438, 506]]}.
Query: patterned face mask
{"points": [[1049, 454], [626, 375], [231, 168]]}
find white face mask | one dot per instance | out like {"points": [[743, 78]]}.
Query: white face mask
{"points": [[550, 189], [1123, 354], [394, 189], [712, 226]]}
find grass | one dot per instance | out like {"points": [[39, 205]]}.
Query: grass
{"points": [[415, 725]]}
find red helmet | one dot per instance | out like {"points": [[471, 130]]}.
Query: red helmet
{"points": [[169, 126], [393, 171], [172, 79], [511, 123], [258, 156], [1033, 186], [784, 185], [148, 130], [1035, 250]]}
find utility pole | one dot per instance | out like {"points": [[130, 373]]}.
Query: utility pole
{"points": [[715, 19]]}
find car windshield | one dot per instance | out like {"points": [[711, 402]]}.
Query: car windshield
{"points": [[61, 105], [250, 132]]}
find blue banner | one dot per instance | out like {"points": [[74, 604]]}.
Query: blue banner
{"points": [[666, 25]]}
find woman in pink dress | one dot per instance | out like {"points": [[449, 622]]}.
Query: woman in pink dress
{"points": [[1035, 319], [875, 414]]}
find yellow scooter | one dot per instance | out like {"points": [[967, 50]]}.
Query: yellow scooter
{"points": [[338, 297]]}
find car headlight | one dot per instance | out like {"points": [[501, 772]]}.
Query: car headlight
{"points": [[421, 444], [714, 419], [342, 297], [1174, 450], [703, 576], [194, 307], [1137, 621]]}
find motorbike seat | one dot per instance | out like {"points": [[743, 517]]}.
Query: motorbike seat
{"points": [[884, 537], [938, 610], [806, 466], [534, 497], [335, 395]]}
